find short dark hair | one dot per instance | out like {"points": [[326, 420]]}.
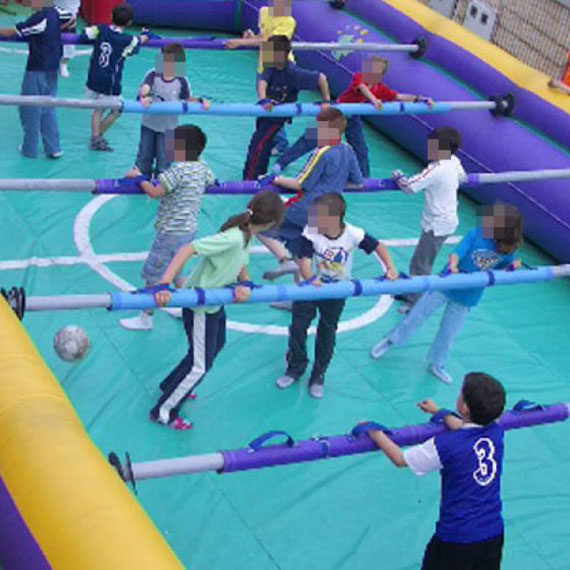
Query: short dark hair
{"points": [[448, 138], [123, 14], [280, 43], [176, 49], [335, 202], [192, 138], [333, 117], [485, 397]]}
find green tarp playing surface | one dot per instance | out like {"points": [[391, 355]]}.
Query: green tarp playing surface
{"points": [[352, 513]]}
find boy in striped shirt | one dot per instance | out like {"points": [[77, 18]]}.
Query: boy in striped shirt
{"points": [[180, 190]]}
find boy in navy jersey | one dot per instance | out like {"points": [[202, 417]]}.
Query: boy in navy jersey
{"points": [[469, 532], [104, 80], [42, 31]]}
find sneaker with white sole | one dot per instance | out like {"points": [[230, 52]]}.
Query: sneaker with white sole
{"points": [[287, 267], [404, 309], [63, 70], [316, 391], [142, 322], [282, 305], [178, 423], [380, 349], [440, 373], [55, 155], [284, 381]]}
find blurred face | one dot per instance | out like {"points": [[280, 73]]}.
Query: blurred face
{"points": [[434, 153], [281, 7], [323, 221], [272, 57], [38, 4], [170, 66], [373, 71], [495, 221], [175, 148], [326, 133]]}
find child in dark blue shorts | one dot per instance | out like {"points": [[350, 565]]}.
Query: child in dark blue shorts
{"points": [[469, 532]]}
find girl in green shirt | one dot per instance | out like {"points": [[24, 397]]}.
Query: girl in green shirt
{"points": [[224, 260]]}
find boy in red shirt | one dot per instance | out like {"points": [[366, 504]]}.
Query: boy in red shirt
{"points": [[365, 87], [564, 83]]}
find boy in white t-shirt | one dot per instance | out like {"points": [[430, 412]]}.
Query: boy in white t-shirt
{"points": [[440, 180], [329, 244]]}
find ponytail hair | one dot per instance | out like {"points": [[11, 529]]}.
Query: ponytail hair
{"points": [[264, 208]]}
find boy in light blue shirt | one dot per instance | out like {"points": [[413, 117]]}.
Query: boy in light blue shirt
{"points": [[491, 246]]}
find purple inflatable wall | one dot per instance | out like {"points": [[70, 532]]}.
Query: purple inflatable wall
{"points": [[446, 72], [218, 15]]}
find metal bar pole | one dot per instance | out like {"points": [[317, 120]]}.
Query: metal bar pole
{"points": [[125, 186], [264, 294], [343, 445], [48, 185], [178, 466], [247, 109], [212, 43], [42, 101], [68, 302]]}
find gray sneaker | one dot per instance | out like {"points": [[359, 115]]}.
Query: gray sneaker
{"points": [[316, 391], [285, 268], [381, 348], [282, 305], [284, 381]]}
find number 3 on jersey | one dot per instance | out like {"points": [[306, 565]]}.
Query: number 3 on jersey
{"points": [[105, 55], [487, 469]]}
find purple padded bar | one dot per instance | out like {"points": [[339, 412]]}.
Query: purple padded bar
{"points": [[341, 445], [18, 548], [120, 186]]}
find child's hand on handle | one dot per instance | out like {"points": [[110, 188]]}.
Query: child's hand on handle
{"points": [[206, 104], [377, 104], [428, 406], [267, 104], [248, 34], [162, 298], [232, 44], [392, 274], [242, 294], [146, 101]]}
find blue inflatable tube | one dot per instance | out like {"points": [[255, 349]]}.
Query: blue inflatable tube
{"points": [[456, 66]]}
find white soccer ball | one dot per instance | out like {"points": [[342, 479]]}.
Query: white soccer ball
{"points": [[71, 343]]}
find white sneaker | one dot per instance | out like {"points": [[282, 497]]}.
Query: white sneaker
{"points": [[142, 322], [381, 348], [316, 391], [282, 305], [175, 313], [285, 268], [440, 373], [63, 70], [284, 381], [404, 309]]}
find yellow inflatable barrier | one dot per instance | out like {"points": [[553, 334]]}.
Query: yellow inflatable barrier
{"points": [[77, 509]]}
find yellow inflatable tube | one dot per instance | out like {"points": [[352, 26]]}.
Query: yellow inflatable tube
{"points": [[80, 513]]}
